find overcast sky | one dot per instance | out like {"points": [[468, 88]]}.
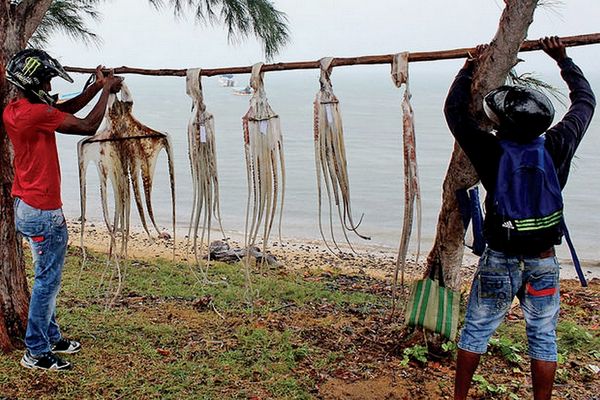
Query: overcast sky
{"points": [[135, 34]]}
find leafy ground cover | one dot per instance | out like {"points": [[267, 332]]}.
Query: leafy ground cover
{"points": [[307, 334]]}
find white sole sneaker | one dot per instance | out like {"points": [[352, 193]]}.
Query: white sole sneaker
{"points": [[47, 361]]}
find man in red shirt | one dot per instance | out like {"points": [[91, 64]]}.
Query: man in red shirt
{"points": [[31, 121]]}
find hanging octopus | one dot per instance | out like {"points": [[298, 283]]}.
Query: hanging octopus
{"points": [[203, 160], [330, 158], [412, 195], [265, 164], [124, 150]]}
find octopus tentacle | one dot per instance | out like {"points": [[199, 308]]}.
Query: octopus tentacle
{"points": [[321, 171], [412, 195], [135, 184], [171, 165], [318, 168], [330, 160], [331, 183], [265, 165], [83, 162], [251, 198], [251, 186], [282, 166], [202, 154], [216, 207]]}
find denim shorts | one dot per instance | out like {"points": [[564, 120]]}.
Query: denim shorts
{"points": [[499, 278]]}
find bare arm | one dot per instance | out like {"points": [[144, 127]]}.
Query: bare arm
{"points": [[89, 125], [75, 104]]}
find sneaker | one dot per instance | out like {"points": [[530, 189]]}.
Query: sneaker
{"points": [[66, 346], [47, 361]]}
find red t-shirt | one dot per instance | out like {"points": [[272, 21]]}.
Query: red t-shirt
{"points": [[30, 128]]}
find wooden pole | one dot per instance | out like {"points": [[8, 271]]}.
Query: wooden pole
{"points": [[528, 45], [122, 138]]}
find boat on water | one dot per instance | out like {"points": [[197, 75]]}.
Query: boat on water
{"points": [[226, 80], [245, 91]]}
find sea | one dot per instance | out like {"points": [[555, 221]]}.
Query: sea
{"points": [[371, 113]]}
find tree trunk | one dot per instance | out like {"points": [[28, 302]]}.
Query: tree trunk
{"points": [[491, 72], [14, 295], [17, 24]]}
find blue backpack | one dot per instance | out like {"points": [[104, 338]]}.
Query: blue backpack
{"points": [[527, 200], [528, 196]]}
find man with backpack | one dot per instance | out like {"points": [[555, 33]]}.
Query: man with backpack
{"points": [[523, 166], [30, 121]]}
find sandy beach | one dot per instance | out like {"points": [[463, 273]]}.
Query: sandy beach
{"points": [[374, 261]]}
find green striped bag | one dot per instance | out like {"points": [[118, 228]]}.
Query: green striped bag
{"points": [[434, 307]]}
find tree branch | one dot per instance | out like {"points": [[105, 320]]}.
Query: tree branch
{"points": [[31, 13]]}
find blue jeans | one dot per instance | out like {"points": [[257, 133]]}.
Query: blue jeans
{"points": [[499, 278], [46, 232]]}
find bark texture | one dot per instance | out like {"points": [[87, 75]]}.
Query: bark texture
{"points": [[501, 56], [17, 24]]}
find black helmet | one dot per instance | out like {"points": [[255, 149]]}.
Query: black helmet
{"points": [[29, 68], [521, 113]]}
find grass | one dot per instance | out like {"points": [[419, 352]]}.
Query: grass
{"points": [[305, 335], [163, 338]]}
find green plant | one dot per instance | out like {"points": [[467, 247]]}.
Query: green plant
{"points": [[561, 358], [509, 349], [449, 347], [416, 352], [487, 387], [575, 339]]}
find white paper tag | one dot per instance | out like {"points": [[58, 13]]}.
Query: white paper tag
{"points": [[329, 112], [202, 134], [263, 126]]}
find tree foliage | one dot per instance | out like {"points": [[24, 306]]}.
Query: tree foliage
{"points": [[241, 18], [68, 17]]}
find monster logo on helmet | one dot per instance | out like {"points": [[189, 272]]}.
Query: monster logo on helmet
{"points": [[521, 114], [31, 65], [29, 69]]}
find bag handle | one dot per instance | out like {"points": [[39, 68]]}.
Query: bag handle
{"points": [[440, 272]]}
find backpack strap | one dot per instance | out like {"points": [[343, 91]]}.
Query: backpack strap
{"points": [[470, 209], [477, 224], [462, 197], [576, 262]]}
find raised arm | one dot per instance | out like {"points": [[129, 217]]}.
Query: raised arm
{"points": [[89, 125], [479, 145], [75, 104], [564, 137]]}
